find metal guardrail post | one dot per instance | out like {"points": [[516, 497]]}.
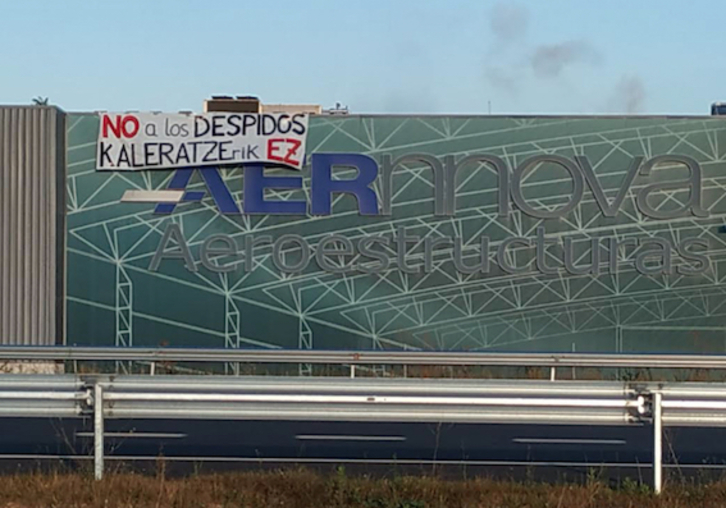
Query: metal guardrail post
{"points": [[553, 373], [657, 442], [98, 431], [352, 370]]}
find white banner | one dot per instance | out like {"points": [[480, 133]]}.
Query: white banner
{"points": [[135, 141]]}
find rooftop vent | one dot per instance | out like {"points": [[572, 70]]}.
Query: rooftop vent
{"points": [[339, 109]]}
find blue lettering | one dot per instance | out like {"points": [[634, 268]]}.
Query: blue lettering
{"points": [[219, 191], [255, 184], [323, 185], [179, 181], [217, 188]]}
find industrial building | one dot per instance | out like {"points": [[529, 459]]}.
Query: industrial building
{"points": [[490, 233]]}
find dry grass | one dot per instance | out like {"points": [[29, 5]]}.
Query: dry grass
{"points": [[306, 489]]}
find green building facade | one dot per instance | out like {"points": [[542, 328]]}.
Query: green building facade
{"points": [[675, 301]]}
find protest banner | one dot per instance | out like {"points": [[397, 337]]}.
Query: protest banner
{"points": [[137, 141]]}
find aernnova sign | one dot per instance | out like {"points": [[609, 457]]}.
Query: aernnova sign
{"points": [[411, 253], [202, 143]]}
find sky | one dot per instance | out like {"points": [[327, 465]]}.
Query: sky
{"points": [[374, 56]]}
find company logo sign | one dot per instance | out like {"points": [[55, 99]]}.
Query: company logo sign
{"points": [[444, 173], [258, 141]]}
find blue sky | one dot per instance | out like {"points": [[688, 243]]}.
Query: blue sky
{"points": [[376, 56]]}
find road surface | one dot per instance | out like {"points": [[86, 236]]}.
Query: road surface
{"points": [[514, 450]]}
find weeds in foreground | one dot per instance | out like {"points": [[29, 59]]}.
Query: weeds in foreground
{"points": [[306, 489]]}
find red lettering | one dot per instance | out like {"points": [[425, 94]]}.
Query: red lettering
{"points": [[275, 146], [107, 124], [292, 150], [134, 123], [119, 126]]}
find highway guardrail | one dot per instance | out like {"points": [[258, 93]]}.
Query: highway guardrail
{"points": [[363, 357], [364, 399]]}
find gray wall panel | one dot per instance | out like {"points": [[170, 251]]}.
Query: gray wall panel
{"points": [[32, 229]]}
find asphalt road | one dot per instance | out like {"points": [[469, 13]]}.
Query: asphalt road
{"points": [[542, 450]]}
